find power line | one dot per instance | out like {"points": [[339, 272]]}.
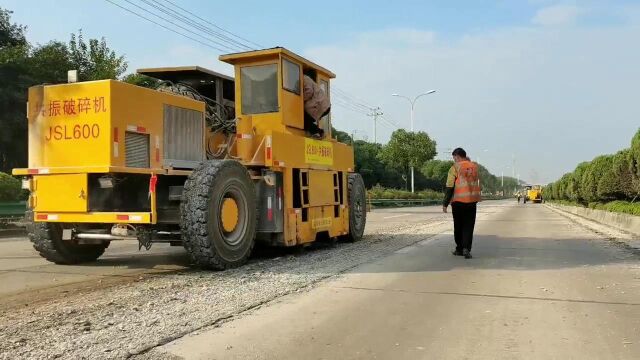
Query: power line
{"points": [[165, 27], [351, 98], [207, 30], [214, 25], [342, 98], [392, 123], [180, 26], [346, 106]]}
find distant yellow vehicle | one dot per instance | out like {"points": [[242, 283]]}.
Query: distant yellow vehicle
{"points": [[206, 161], [533, 193]]}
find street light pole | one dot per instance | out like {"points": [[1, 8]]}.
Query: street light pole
{"points": [[413, 103]]}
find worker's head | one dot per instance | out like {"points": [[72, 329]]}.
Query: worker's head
{"points": [[459, 154]]}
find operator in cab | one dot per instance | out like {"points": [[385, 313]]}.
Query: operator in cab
{"points": [[316, 106], [463, 193]]}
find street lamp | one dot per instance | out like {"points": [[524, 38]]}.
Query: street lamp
{"points": [[502, 175], [413, 104]]}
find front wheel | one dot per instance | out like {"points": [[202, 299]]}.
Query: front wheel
{"points": [[357, 208], [218, 215]]}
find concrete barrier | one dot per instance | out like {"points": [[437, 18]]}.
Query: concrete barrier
{"points": [[626, 222]]}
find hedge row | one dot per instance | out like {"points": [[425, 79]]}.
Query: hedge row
{"points": [[605, 179], [618, 206], [10, 188]]}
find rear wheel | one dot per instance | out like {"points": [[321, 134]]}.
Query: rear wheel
{"points": [[47, 240], [357, 208], [218, 215]]}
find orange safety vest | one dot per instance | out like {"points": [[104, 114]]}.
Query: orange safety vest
{"points": [[467, 185]]}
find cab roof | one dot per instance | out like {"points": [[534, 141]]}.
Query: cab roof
{"points": [[241, 57], [179, 72]]}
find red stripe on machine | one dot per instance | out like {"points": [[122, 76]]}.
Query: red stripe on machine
{"points": [[115, 134], [267, 147], [42, 217], [153, 181], [122, 217], [135, 128], [269, 209]]}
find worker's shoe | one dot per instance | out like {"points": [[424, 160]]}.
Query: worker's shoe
{"points": [[466, 253], [457, 252]]}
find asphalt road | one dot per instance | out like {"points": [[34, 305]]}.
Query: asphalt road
{"points": [[539, 287], [28, 278]]}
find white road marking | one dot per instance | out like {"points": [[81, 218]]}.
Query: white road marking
{"points": [[395, 216]]}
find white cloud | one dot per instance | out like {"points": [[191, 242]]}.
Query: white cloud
{"points": [[558, 15], [553, 97], [398, 37]]}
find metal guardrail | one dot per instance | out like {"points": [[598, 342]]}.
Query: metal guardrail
{"points": [[416, 202], [402, 202], [12, 209]]}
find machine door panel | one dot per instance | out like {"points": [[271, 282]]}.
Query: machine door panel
{"points": [[61, 193]]}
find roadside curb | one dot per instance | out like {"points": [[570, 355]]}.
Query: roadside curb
{"points": [[9, 233], [624, 222]]}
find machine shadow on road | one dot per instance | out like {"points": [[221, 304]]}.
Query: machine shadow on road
{"points": [[175, 259]]}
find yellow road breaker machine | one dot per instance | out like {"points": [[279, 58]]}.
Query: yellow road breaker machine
{"points": [[204, 161], [533, 193]]}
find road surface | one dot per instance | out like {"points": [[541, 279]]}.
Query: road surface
{"points": [[538, 287], [25, 276]]}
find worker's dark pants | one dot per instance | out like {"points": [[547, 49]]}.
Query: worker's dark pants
{"points": [[464, 220]]}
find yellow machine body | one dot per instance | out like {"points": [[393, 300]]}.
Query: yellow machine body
{"points": [[534, 193], [80, 129], [79, 132]]}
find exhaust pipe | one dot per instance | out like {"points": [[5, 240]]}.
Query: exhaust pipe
{"points": [[107, 237]]}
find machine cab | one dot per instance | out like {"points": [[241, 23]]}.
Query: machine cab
{"points": [[269, 90]]}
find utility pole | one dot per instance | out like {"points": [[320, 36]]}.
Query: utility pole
{"points": [[375, 112], [513, 169]]}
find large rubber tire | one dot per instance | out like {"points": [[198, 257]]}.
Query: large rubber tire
{"points": [[357, 207], [47, 240], [203, 234]]}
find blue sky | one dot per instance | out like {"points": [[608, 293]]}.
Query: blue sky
{"points": [[549, 83]]}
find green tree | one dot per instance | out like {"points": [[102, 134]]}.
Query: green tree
{"points": [[616, 183], [573, 191], [14, 52], [142, 80], [11, 35], [22, 66], [592, 175], [437, 171], [95, 60], [634, 164], [10, 189], [406, 149], [49, 63]]}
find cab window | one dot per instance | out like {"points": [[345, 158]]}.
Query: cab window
{"points": [[259, 89], [291, 76], [325, 121]]}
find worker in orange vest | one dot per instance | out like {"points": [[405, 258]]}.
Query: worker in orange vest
{"points": [[463, 193]]}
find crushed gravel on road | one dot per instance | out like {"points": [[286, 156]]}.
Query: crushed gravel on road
{"points": [[128, 320]]}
